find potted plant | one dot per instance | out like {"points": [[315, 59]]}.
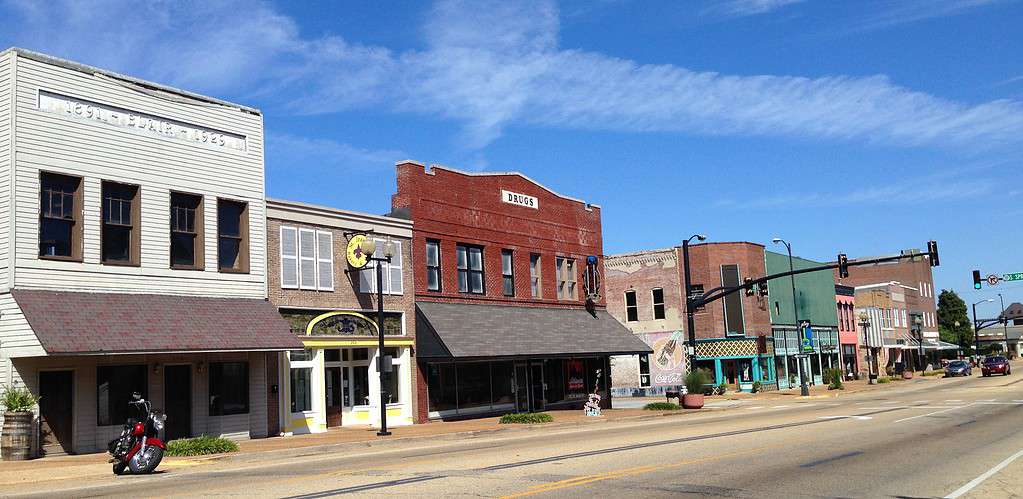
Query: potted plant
{"points": [[16, 441], [694, 381]]}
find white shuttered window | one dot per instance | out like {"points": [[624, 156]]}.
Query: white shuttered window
{"points": [[307, 259], [392, 272], [289, 257], [324, 261]]}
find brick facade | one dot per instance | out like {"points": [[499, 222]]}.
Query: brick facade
{"points": [[460, 208], [346, 294]]}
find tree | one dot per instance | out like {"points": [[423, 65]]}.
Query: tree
{"points": [[952, 310]]}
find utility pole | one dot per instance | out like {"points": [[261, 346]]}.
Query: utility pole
{"points": [[690, 309], [804, 389]]}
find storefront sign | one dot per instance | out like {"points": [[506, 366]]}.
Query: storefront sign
{"points": [[519, 199], [356, 258], [75, 108]]}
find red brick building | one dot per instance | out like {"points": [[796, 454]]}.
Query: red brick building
{"points": [[917, 281], [506, 319], [645, 292]]}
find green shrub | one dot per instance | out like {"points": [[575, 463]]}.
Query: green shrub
{"points": [[695, 380], [662, 406], [758, 387], [527, 418], [15, 399], [200, 446], [884, 380], [833, 377]]}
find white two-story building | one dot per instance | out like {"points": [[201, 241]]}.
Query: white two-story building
{"points": [[132, 255]]}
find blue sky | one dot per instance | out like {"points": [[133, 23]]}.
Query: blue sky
{"points": [[863, 127]]}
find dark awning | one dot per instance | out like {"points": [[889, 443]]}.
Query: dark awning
{"points": [[460, 330], [73, 323]]}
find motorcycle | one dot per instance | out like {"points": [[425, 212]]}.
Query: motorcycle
{"points": [[139, 448]]}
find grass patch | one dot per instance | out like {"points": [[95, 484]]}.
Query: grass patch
{"points": [[527, 418], [662, 406], [200, 446], [884, 380]]}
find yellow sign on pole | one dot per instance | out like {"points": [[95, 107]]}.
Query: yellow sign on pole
{"points": [[356, 258]]}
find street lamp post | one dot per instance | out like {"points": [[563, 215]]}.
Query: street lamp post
{"points": [[865, 323], [1005, 323], [369, 247], [918, 322], [976, 332], [690, 320], [804, 389]]}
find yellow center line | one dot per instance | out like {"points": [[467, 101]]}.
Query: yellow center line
{"points": [[638, 470]]}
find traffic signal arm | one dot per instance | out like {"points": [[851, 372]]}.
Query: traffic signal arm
{"points": [[748, 285]]}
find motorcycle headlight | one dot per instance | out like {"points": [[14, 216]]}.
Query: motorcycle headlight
{"points": [[158, 422]]}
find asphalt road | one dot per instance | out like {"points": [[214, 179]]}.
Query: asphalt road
{"points": [[931, 439]]}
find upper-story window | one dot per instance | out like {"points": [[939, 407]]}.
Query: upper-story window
{"points": [[507, 273], [307, 259], [658, 299], [392, 270], [120, 244], [232, 236], [631, 308], [566, 278], [433, 265], [60, 217], [470, 269], [186, 231], [734, 323], [535, 274]]}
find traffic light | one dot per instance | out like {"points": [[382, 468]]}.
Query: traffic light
{"points": [[976, 280], [932, 252], [843, 265], [748, 286]]}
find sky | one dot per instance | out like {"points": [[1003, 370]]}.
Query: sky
{"points": [[859, 127]]}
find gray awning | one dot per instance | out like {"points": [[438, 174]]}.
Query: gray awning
{"points": [[462, 330]]}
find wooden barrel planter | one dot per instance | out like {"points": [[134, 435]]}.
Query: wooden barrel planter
{"points": [[16, 439]]}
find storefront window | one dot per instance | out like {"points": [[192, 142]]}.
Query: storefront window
{"points": [[360, 384], [442, 387], [392, 384], [554, 371], [114, 386], [229, 388], [502, 376], [301, 389], [473, 385]]}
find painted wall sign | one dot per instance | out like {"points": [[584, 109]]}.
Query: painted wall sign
{"points": [[519, 199], [147, 124], [667, 366]]}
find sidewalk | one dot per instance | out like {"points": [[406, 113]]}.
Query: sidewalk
{"points": [[21, 473]]}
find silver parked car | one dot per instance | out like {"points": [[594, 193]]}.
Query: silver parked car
{"points": [[958, 368]]}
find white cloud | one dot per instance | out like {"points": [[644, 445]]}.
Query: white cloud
{"points": [[741, 8], [910, 11], [488, 66], [290, 151]]}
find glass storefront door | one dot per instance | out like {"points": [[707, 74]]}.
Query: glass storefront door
{"points": [[537, 387], [332, 387], [521, 388]]}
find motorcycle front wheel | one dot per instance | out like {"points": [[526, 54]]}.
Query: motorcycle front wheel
{"points": [[146, 461]]}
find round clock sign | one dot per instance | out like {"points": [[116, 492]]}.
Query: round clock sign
{"points": [[356, 258]]}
